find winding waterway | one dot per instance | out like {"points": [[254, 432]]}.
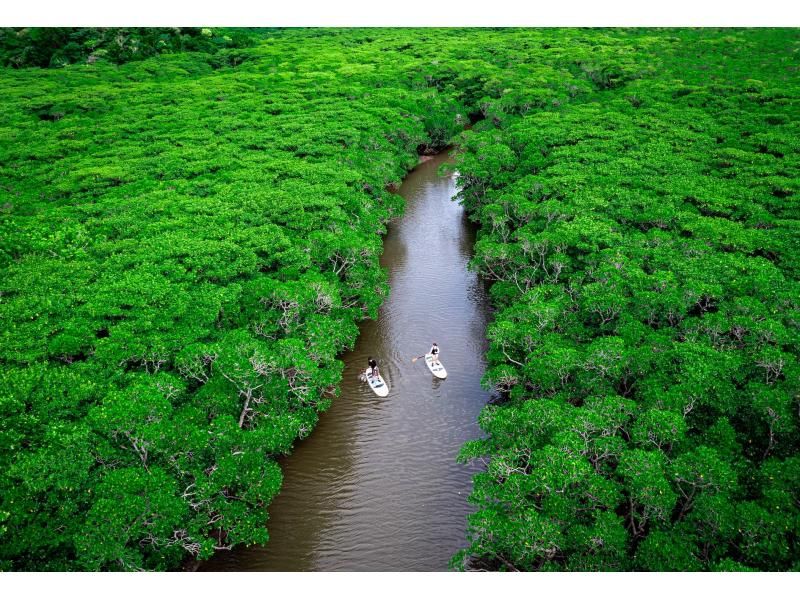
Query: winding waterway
{"points": [[376, 486]]}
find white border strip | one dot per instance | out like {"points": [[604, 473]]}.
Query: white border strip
{"points": [[402, 13], [371, 585]]}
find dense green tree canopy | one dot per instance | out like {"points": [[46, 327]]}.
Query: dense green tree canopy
{"points": [[60, 46], [642, 245], [186, 244]]}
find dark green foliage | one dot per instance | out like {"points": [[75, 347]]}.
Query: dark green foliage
{"points": [[643, 246], [60, 46]]}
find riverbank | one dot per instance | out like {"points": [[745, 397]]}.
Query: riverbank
{"points": [[297, 501], [377, 485]]}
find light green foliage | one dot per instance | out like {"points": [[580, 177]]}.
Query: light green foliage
{"points": [[187, 241]]}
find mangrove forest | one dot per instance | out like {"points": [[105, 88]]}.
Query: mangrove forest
{"points": [[191, 227]]}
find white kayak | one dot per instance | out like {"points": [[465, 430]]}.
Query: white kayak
{"points": [[377, 384], [436, 369]]}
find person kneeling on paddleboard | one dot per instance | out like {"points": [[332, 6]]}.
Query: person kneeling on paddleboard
{"points": [[434, 353], [373, 367]]}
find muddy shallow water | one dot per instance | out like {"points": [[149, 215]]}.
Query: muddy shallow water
{"points": [[376, 486]]}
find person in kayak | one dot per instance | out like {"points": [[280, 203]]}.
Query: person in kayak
{"points": [[434, 351], [373, 367]]}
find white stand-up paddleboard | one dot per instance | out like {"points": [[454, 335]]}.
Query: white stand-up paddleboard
{"points": [[436, 369], [377, 384]]}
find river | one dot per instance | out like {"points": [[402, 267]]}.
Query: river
{"points": [[376, 486]]}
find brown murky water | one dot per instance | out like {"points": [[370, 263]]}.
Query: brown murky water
{"points": [[376, 486]]}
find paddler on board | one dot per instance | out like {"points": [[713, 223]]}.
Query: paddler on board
{"points": [[373, 365], [434, 351]]}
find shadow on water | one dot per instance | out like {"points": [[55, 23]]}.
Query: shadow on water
{"points": [[376, 486]]}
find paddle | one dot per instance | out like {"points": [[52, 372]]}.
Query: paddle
{"points": [[415, 359]]}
